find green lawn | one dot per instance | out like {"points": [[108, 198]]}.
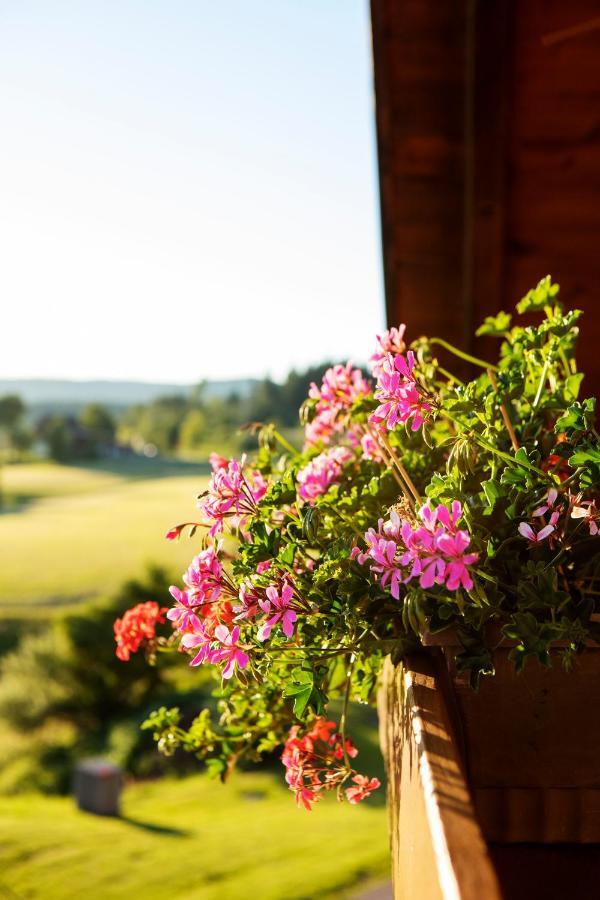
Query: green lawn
{"points": [[192, 839], [72, 533]]}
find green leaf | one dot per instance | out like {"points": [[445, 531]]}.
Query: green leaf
{"points": [[495, 326], [572, 385], [492, 490], [539, 297], [578, 418], [216, 767], [310, 523], [300, 689]]}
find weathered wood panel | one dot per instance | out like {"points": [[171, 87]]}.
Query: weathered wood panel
{"points": [[438, 852]]}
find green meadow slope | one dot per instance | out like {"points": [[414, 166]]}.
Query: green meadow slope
{"points": [[73, 533], [193, 839]]}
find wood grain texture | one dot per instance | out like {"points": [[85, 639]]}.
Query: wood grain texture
{"points": [[488, 124], [438, 851]]}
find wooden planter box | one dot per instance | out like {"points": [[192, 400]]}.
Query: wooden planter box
{"points": [[496, 793]]}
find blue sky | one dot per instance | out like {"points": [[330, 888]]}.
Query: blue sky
{"points": [[188, 188]]}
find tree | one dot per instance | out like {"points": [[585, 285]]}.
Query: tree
{"points": [[193, 430], [65, 689], [11, 410], [57, 433], [99, 423]]}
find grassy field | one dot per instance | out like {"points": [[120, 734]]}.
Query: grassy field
{"points": [[192, 839], [72, 533]]}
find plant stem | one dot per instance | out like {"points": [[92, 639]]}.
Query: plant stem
{"points": [[540, 387], [505, 415], [462, 355], [500, 453], [379, 439], [450, 376], [344, 715], [284, 442], [401, 469]]}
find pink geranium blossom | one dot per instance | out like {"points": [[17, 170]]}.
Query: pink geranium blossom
{"points": [[391, 341], [201, 640], [401, 399], [232, 493], [457, 561], [321, 472], [371, 449], [205, 578], [229, 651], [249, 596], [324, 425], [535, 537], [220, 647], [184, 614], [363, 788], [278, 607], [586, 509], [548, 505], [340, 388], [435, 552]]}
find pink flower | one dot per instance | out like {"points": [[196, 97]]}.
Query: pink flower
{"points": [[550, 501], [340, 388], [232, 493], [383, 554], [249, 597], [535, 537], [218, 462], [321, 472], [323, 427], [201, 639], [433, 552], [453, 547], [183, 614], [204, 577], [364, 787], [281, 604], [229, 651], [391, 341], [371, 449], [587, 510], [400, 397]]}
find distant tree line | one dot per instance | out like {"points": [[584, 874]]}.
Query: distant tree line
{"points": [[168, 425]]}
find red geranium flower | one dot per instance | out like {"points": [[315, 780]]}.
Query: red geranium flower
{"points": [[137, 626]]}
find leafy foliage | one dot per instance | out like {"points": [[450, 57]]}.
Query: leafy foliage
{"points": [[421, 506]]}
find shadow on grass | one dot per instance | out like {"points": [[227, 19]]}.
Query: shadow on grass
{"points": [[153, 828], [15, 503]]}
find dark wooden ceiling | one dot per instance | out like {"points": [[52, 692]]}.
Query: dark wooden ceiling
{"points": [[488, 123]]}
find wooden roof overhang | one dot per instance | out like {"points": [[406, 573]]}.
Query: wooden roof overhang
{"points": [[488, 127]]}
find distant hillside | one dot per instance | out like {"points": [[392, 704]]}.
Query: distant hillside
{"points": [[42, 392]]}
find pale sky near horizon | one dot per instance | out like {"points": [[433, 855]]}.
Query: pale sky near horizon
{"points": [[188, 189]]}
